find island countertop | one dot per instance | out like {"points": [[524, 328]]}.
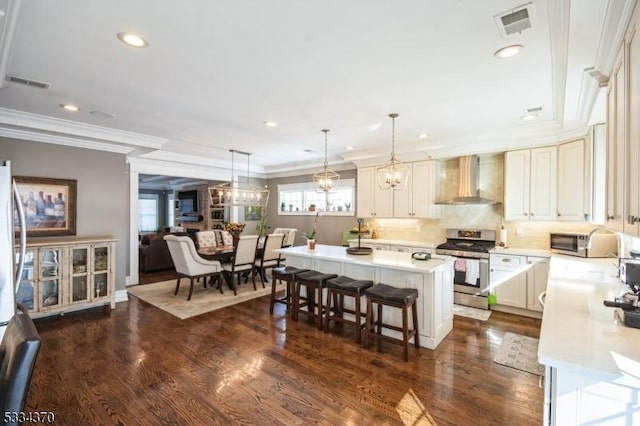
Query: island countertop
{"points": [[388, 259]]}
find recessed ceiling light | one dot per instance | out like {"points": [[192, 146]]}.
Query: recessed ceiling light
{"points": [[270, 123], [528, 117], [422, 136], [349, 148], [70, 107], [508, 51], [133, 40]]}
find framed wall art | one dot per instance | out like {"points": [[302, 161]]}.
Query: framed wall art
{"points": [[49, 205]]}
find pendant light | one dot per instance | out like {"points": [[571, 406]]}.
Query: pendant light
{"points": [[326, 179], [393, 174], [234, 193]]}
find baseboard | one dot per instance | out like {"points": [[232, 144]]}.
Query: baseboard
{"points": [[122, 296], [517, 311]]}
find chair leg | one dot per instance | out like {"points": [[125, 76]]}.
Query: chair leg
{"points": [[219, 281], [416, 338], [190, 289], [273, 295], [296, 300], [177, 286], [367, 323], [405, 333], [358, 326], [328, 304], [253, 278]]}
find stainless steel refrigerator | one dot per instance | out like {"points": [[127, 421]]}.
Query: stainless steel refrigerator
{"points": [[11, 254]]}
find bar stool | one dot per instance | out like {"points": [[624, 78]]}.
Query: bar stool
{"points": [[288, 275], [386, 295], [314, 282], [337, 289]]}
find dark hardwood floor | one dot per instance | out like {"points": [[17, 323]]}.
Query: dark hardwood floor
{"points": [[140, 365], [157, 276]]}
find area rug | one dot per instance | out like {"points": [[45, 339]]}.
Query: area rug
{"points": [[519, 352], [202, 301], [474, 313]]}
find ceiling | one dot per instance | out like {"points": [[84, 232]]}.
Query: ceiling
{"points": [[215, 71]]}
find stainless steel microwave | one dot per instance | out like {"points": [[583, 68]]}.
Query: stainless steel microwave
{"points": [[575, 244]]}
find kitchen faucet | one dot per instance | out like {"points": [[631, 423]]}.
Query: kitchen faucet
{"points": [[612, 231]]}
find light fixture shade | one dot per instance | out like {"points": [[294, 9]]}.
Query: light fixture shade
{"points": [[325, 180], [235, 193], [393, 174]]}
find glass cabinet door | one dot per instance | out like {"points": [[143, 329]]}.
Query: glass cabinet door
{"points": [[79, 274], [27, 285], [50, 277], [100, 271]]}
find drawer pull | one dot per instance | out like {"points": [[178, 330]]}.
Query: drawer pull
{"points": [[506, 260]]}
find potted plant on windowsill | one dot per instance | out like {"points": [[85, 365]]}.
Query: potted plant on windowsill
{"points": [[311, 236]]}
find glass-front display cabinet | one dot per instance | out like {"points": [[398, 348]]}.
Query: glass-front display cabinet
{"points": [[79, 274], [101, 271], [50, 277], [27, 287]]}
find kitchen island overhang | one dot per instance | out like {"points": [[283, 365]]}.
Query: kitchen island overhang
{"points": [[432, 278]]}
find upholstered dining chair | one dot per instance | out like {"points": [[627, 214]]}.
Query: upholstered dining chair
{"points": [[270, 258], [189, 263], [244, 256], [18, 351], [289, 235], [206, 239]]}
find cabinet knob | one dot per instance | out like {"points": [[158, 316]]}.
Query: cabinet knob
{"points": [[531, 214], [610, 217], [559, 214], [506, 260], [526, 214]]}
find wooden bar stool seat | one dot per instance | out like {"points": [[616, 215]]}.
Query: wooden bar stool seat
{"points": [[314, 283], [403, 298], [337, 289], [288, 275]]}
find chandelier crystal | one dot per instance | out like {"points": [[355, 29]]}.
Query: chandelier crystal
{"points": [[393, 174], [235, 193], [325, 180]]}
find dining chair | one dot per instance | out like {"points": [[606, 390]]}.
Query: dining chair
{"points": [[18, 351], [270, 258], [190, 264], [244, 256], [206, 239], [289, 235]]}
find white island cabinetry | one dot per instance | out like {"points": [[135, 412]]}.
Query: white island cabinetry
{"points": [[433, 279]]}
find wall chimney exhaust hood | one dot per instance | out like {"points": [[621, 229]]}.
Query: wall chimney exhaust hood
{"points": [[468, 192]]}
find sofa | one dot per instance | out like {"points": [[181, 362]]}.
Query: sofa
{"points": [[153, 253]]}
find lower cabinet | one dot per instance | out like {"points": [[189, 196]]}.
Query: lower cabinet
{"points": [[518, 281], [67, 275]]}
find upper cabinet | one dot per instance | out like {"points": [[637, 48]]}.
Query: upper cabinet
{"points": [[572, 181], [530, 184], [616, 107], [372, 201], [415, 200], [631, 217]]}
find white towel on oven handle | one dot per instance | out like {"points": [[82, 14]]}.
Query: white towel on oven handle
{"points": [[473, 271]]}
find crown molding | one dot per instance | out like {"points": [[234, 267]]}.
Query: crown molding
{"points": [[82, 133], [8, 25], [61, 140]]}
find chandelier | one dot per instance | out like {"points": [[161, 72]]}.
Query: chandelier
{"points": [[393, 174], [325, 179], [235, 193]]}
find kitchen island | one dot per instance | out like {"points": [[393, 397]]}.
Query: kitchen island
{"points": [[592, 361], [432, 278]]}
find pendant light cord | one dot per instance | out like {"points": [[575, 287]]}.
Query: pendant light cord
{"points": [[393, 116]]}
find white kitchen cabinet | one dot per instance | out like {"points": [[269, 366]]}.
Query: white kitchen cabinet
{"points": [[417, 199], [508, 279], [631, 217], [372, 201], [572, 181], [531, 184], [616, 136], [517, 281], [62, 276]]}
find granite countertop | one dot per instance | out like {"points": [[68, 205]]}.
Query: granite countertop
{"points": [[388, 259], [408, 243], [578, 331]]}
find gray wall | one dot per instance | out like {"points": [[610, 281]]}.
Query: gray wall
{"points": [[103, 188], [330, 228]]}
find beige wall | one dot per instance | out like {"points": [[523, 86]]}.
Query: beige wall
{"points": [[102, 188]]}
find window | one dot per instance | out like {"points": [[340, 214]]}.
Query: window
{"points": [[301, 198], [147, 212], [171, 208]]}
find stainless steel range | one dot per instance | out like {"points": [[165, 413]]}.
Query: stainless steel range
{"points": [[471, 248]]}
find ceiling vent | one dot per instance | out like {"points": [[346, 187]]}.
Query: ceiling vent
{"points": [[28, 82], [515, 21]]}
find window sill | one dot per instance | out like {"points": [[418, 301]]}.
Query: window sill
{"points": [[323, 213]]}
